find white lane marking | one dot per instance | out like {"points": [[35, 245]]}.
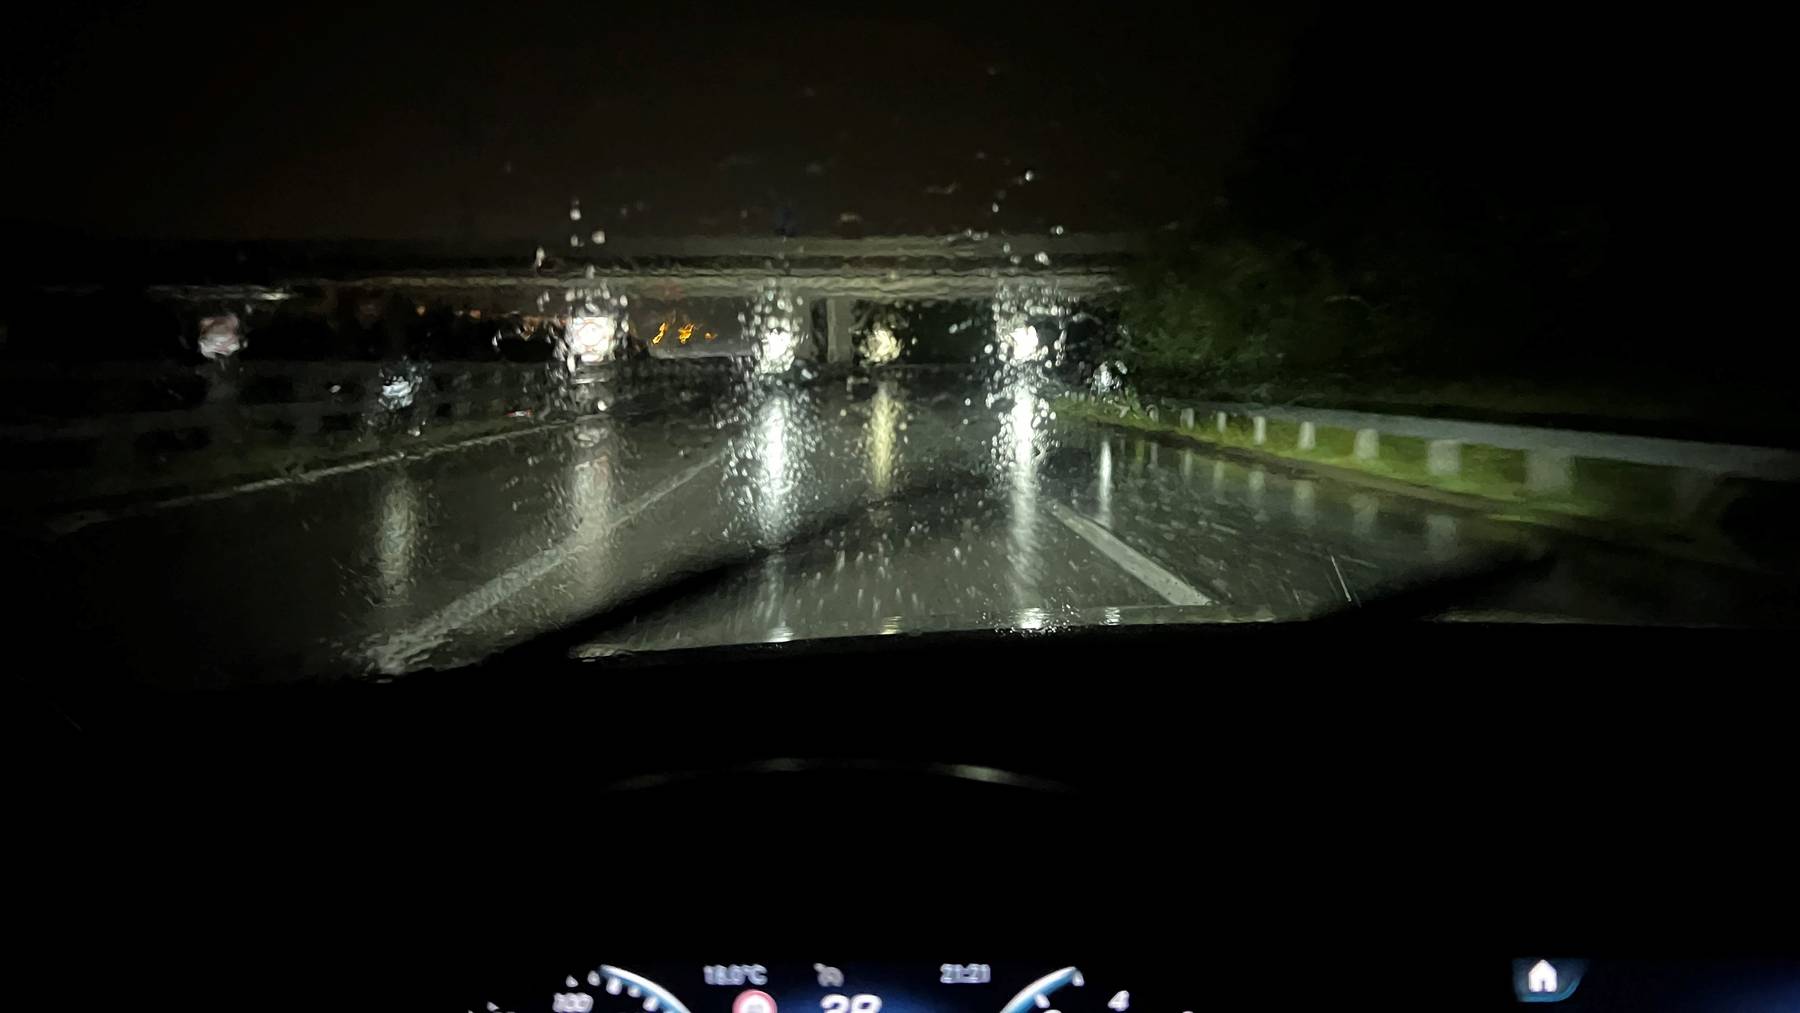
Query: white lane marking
{"points": [[392, 655], [1172, 588], [72, 522]]}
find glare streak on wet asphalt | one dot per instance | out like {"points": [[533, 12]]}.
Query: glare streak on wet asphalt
{"points": [[845, 508]]}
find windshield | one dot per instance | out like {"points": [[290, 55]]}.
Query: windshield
{"points": [[358, 345]]}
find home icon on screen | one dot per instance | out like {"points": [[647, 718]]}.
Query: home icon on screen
{"points": [[1538, 980]]}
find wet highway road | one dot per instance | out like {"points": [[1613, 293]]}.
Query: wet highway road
{"points": [[844, 508]]}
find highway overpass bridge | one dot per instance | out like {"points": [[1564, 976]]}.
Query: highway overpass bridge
{"points": [[654, 274]]}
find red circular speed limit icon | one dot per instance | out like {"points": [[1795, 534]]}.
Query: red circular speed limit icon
{"points": [[752, 1001]]}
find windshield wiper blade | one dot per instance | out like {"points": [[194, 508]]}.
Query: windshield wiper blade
{"points": [[718, 569], [1446, 589]]}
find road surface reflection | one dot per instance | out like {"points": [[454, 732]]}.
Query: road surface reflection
{"points": [[849, 506]]}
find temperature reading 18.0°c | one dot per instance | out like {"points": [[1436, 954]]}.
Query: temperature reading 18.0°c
{"points": [[736, 974]]}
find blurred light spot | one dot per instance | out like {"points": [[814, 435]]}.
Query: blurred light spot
{"points": [[1024, 342], [221, 337], [593, 338], [400, 386], [882, 346], [777, 351]]}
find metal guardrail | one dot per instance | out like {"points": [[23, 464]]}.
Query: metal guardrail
{"points": [[1548, 450], [302, 394], [304, 398]]}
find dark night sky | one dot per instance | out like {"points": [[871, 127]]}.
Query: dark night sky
{"points": [[1618, 173], [412, 122], [278, 120]]}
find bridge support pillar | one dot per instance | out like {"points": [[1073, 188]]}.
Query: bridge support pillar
{"points": [[838, 347]]}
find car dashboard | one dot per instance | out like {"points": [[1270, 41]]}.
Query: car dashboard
{"points": [[1121, 822]]}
